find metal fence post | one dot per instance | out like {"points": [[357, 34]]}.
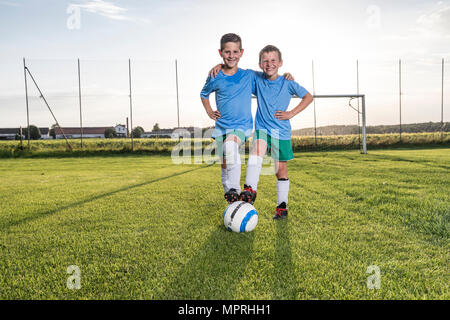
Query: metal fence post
{"points": [[26, 100], [178, 102], [400, 94], [131, 105], [364, 124], [79, 100], [314, 105]]}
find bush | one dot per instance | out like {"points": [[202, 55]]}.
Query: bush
{"points": [[110, 133]]}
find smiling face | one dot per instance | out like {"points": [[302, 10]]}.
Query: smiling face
{"points": [[270, 63], [231, 54]]}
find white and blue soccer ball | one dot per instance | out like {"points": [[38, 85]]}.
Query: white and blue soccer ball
{"points": [[240, 216]]}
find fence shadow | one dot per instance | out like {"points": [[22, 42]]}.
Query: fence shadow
{"points": [[42, 214]]}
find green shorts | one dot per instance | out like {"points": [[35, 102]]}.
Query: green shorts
{"points": [[221, 139], [280, 150]]}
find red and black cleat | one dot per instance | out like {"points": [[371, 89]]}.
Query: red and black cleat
{"points": [[281, 212], [231, 196], [248, 194]]}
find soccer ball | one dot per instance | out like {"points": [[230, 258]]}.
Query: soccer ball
{"points": [[240, 216]]}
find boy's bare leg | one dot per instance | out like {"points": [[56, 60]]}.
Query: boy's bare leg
{"points": [[282, 172], [259, 148]]}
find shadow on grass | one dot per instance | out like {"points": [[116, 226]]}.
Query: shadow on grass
{"points": [[370, 147], [424, 162], [39, 215], [215, 271], [284, 280]]}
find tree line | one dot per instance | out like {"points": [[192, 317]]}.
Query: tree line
{"points": [[379, 129]]}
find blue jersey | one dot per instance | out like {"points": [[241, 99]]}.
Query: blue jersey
{"points": [[273, 96], [233, 100]]}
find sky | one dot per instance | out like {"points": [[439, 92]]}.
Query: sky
{"points": [[53, 34]]}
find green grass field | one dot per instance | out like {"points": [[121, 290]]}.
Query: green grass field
{"points": [[140, 227]]}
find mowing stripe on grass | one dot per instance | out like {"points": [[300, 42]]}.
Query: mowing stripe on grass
{"points": [[97, 197]]}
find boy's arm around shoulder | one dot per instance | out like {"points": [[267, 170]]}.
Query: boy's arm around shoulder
{"points": [[215, 70]]}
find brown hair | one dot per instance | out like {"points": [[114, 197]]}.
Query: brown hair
{"points": [[267, 49], [230, 37]]}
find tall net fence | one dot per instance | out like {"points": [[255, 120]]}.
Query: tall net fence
{"points": [[400, 95]]}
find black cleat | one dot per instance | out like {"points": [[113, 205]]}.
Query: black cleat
{"points": [[281, 212], [231, 196], [248, 194]]}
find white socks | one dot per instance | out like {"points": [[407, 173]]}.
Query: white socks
{"points": [[224, 180], [282, 191], [254, 165], [233, 161], [231, 175]]}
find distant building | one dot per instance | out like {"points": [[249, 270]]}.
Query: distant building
{"points": [[121, 130], [73, 132], [8, 133], [170, 133], [11, 133], [89, 132], [163, 133], [45, 133]]}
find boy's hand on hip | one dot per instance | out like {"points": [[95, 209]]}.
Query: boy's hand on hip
{"points": [[283, 115], [214, 115], [215, 71]]}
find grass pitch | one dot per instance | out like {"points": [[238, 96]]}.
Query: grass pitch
{"points": [[140, 227]]}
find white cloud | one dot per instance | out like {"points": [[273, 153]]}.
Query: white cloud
{"points": [[431, 26], [105, 9], [395, 37], [108, 10], [436, 22]]}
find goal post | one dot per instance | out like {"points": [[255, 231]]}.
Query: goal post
{"points": [[361, 112]]}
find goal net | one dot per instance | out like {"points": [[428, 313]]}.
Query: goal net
{"points": [[330, 122]]}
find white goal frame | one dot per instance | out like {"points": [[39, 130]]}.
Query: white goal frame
{"points": [[363, 112]]}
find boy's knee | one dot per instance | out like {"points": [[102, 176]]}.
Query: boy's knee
{"points": [[233, 138], [231, 153], [259, 148]]}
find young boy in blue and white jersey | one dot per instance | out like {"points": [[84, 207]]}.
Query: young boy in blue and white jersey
{"points": [[234, 124], [272, 126]]}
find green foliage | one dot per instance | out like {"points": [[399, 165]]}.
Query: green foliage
{"points": [[137, 132], [110, 133], [156, 127], [35, 134], [381, 129]]}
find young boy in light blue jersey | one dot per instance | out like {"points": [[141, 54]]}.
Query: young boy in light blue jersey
{"points": [[272, 126], [233, 87]]}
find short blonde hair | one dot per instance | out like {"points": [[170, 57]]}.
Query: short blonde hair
{"points": [[267, 49]]}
